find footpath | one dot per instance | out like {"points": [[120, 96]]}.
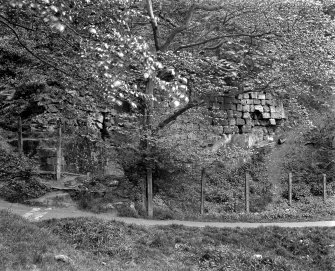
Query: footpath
{"points": [[44, 213]]}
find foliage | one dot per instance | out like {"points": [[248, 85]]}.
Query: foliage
{"points": [[12, 166], [25, 246], [20, 190], [177, 247]]}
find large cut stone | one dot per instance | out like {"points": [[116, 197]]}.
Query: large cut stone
{"points": [[259, 108], [265, 115], [240, 121]]}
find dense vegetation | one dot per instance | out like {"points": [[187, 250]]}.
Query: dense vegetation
{"points": [[93, 244], [154, 61]]}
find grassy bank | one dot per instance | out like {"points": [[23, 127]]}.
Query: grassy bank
{"points": [[93, 244]]}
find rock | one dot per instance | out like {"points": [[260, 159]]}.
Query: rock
{"points": [[59, 199], [114, 169], [63, 258], [281, 141], [259, 108], [257, 257]]}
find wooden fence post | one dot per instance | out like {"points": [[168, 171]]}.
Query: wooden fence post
{"points": [[247, 192], [149, 187], [202, 196], [59, 153], [324, 187], [19, 136], [290, 189]]}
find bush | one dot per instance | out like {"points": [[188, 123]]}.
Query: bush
{"points": [[20, 190]]}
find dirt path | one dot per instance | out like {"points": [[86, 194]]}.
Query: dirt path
{"points": [[36, 214]]}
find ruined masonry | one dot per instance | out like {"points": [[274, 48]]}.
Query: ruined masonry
{"points": [[246, 113]]}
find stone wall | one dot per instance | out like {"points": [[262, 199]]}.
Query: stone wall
{"points": [[245, 120], [240, 114]]}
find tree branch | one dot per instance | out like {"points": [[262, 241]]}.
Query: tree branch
{"points": [[18, 25], [179, 29], [209, 8], [153, 22], [176, 114], [34, 55], [217, 38]]}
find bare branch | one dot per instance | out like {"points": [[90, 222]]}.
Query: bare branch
{"points": [[153, 22], [220, 37], [15, 24], [209, 8], [179, 29], [33, 54], [176, 114]]}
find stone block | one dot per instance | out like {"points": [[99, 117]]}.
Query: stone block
{"points": [[265, 115], [263, 102], [249, 122], [240, 121], [224, 122], [235, 130], [259, 108], [252, 108], [246, 129], [261, 96], [227, 130], [266, 108], [269, 102], [231, 106], [230, 113], [256, 101], [268, 96], [272, 109], [272, 122], [236, 101], [232, 122], [244, 101], [240, 96], [245, 95], [276, 115], [239, 107], [264, 122], [246, 108], [246, 115], [217, 130], [237, 114], [253, 95], [250, 101]]}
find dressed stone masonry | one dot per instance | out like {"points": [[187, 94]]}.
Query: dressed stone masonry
{"points": [[246, 113]]}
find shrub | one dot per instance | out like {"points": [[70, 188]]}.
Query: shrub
{"points": [[19, 190]]}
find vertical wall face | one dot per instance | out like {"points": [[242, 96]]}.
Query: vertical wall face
{"points": [[255, 114]]}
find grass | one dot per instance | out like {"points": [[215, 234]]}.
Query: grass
{"points": [[94, 244], [24, 246], [180, 248]]}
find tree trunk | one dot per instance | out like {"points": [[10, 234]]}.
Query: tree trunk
{"points": [[148, 135], [19, 135], [202, 198], [149, 193], [59, 153]]}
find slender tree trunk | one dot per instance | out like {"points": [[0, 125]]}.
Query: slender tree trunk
{"points": [[59, 153], [148, 135], [149, 188], [202, 198], [19, 135]]}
